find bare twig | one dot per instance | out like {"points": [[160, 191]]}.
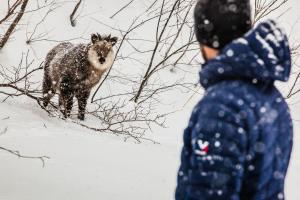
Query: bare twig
{"points": [[30, 39], [121, 9], [4, 131], [292, 92], [264, 8], [18, 154]]}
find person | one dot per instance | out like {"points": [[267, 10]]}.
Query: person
{"points": [[238, 142]]}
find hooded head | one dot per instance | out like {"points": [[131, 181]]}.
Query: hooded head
{"points": [[218, 22], [261, 55]]}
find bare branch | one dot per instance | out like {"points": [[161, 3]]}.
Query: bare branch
{"points": [[11, 10], [72, 20], [3, 131], [18, 154], [121, 9], [11, 28]]}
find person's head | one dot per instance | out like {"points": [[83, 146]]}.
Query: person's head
{"points": [[218, 22]]}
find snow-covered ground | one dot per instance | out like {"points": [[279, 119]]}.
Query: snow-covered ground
{"points": [[83, 165], [88, 165]]}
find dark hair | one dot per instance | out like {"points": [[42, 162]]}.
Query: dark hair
{"points": [[218, 22]]}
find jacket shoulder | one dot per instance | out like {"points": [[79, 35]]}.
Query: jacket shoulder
{"points": [[231, 93]]}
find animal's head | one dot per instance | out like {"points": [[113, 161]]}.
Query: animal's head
{"points": [[102, 46]]}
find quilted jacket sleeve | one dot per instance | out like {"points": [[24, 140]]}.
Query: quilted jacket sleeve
{"points": [[213, 156]]}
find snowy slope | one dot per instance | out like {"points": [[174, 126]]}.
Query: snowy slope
{"points": [[83, 165]]}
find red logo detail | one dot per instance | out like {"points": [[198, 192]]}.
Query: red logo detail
{"points": [[203, 145], [205, 149]]}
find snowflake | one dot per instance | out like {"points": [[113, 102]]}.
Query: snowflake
{"points": [[217, 144], [180, 173], [238, 167], [216, 44], [279, 68], [230, 53], [278, 175], [221, 113], [251, 168], [219, 192], [254, 81], [220, 70], [263, 109], [240, 102], [280, 196], [241, 130]]}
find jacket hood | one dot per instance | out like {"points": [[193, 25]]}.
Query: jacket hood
{"points": [[262, 55]]}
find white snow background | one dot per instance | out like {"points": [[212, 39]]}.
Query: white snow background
{"points": [[89, 165]]}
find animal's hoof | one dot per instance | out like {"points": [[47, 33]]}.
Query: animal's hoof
{"points": [[64, 114], [81, 117], [45, 105]]}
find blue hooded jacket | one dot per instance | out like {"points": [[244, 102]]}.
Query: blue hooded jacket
{"points": [[238, 142]]}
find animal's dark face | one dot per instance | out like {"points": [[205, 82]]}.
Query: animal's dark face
{"points": [[103, 46]]}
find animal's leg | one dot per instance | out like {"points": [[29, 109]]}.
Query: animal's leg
{"points": [[82, 98], [60, 102], [66, 103], [66, 97], [69, 105], [48, 89]]}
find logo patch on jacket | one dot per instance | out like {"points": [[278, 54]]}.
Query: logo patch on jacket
{"points": [[203, 148]]}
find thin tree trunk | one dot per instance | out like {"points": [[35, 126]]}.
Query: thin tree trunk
{"points": [[13, 25]]}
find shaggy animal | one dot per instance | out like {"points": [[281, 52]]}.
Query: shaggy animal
{"points": [[73, 70]]}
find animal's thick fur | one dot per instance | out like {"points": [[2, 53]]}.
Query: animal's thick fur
{"points": [[73, 70]]}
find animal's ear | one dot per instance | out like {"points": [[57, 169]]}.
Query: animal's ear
{"points": [[99, 36], [114, 40], [94, 38]]}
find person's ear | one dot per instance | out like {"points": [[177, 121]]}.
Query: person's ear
{"points": [[94, 38], [209, 52]]}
